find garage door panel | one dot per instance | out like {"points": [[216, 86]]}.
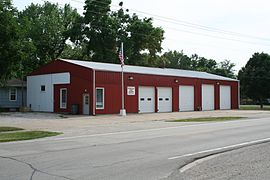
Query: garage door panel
{"points": [[208, 97], [186, 98], [164, 99], [225, 97], [146, 99]]}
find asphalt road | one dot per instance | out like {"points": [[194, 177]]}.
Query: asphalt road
{"points": [[141, 154], [247, 163]]}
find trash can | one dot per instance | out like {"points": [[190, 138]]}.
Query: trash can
{"points": [[74, 109]]}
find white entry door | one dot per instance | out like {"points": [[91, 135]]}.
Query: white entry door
{"points": [[225, 97], [164, 99], [186, 98], [86, 104], [146, 99], [208, 97]]}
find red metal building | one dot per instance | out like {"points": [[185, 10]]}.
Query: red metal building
{"points": [[95, 88]]}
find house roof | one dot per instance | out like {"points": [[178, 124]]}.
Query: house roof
{"points": [[15, 83], [147, 70]]}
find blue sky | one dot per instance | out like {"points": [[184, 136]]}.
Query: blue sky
{"points": [[247, 21]]}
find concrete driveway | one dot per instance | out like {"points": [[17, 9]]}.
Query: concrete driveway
{"points": [[84, 125]]}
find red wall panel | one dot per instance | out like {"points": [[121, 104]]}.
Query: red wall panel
{"points": [[112, 80]]}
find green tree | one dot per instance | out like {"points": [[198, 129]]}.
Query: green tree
{"points": [[46, 28], [225, 68], [144, 39], [73, 51], [177, 60], [99, 30], [255, 76], [9, 35], [104, 30], [206, 65]]}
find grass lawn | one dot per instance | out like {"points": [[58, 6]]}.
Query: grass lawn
{"points": [[254, 107], [25, 135], [207, 119], [5, 129]]}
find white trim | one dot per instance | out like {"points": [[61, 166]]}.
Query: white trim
{"points": [[239, 95], [62, 105], [103, 95], [16, 94], [94, 92]]}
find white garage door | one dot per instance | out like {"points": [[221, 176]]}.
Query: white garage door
{"points": [[186, 98], [208, 97], [164, 99], [146, 99], [225, 97]]}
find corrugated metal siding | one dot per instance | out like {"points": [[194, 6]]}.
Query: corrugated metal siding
{"points": [[111, 81], [81, 80], [4, 98]]}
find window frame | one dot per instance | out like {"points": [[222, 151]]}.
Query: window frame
{"points": [[16, 94], [103, 96], [61, 103]]}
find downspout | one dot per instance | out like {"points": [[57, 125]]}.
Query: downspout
{"points": [[94, 92], [22, 89], [239, 94]]}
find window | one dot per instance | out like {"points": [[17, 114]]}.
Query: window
{"points": [[42, 88], [63, 98], [86, 99], [13, 94], [100, 98]]}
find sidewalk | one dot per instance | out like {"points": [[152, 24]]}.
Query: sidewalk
{"points": [[80, 125]]}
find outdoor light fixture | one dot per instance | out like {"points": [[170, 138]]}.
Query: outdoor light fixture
{"points": [[130, 78], [176, 80], [217, 83]]}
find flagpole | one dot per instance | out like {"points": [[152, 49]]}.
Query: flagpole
{"points": [[123, 111]]}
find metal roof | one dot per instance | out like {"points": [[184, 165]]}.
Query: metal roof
{"points": [[147, 70]]}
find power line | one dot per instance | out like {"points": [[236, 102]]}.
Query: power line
{"points": [[180, 30], [187, 24], [218, 37], [196, 33]]}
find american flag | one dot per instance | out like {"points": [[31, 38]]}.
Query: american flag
{"points": [[121, 57]]}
